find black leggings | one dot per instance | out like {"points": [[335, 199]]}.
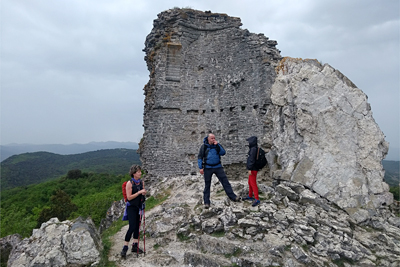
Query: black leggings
{"points": [[134, 221]]}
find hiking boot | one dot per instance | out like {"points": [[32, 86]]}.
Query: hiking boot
{"points": [[206, 206], [249, 198], [237, 199], [135, 249], [123, 253], [256, 202]]}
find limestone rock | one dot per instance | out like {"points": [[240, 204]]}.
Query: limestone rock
{"points": [[113, 213], [58, 243], [280, 231], [6, 246], [326, 137], [209, 75]]}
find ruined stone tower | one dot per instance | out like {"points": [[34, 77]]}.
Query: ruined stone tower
{"points": [[209, 75], [206, 75]]}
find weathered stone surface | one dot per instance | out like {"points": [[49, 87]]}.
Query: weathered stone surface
{"points": [[113, 214], [209, 75], [206, 75], [328, 139], [6, 245], [300, 233], [59, 244]]}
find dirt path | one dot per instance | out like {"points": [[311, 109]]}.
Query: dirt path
{"points": [[169, 251], [131, 258]]}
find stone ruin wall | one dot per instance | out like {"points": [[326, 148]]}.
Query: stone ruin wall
{"points": [[209, 75], [206, 75]]}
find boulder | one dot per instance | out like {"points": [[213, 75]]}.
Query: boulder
{"points": [[58, 243]]}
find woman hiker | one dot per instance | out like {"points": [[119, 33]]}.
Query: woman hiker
{"points": [[252, 170], [135, 192]]}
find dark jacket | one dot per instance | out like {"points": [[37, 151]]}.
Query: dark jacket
{"points": [[252, 155], [137, 201], [212, 155]]}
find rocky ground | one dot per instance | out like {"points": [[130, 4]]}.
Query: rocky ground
{"points": [[292, 226]]}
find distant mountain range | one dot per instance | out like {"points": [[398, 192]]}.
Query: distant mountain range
{"points": [[37, 167], [15, 149]]}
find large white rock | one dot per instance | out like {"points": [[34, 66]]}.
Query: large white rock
{"points": [[59, 244], [326, 138]]}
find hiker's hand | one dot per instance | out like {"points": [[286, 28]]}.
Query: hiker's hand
{"points": [[215, 142], [143, 191], [201, 171], [249, 172]]}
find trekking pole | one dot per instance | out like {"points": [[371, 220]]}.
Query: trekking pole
{"points": [[138, 241], [144, 232]]}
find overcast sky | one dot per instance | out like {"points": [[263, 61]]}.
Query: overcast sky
{"points": [[73, 71]]}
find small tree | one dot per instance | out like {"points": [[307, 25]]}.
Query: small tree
{"points": [[74, 174], [60, 207]]}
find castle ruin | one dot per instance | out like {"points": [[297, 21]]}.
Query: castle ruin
{"points": [[207, 75]]}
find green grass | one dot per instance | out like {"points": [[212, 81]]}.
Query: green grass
{"points": [[236, 253], [156, 200], [182, 237], [151, 202], [107, 244], [220, 233], [340, 262]]}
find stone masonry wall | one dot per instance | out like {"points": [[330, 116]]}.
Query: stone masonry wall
{"points": [[206, 75]]}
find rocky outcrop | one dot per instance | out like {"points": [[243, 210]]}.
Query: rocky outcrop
{"points": [[6, 245], [113, 213], [326, 138], [208, 75], [58, 243], [293, 226]]}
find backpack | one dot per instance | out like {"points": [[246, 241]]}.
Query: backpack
{"points": [[261, 160], [205, 154], [124, 191]]}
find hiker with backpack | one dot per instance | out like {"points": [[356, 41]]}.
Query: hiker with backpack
{"points": [[209, 162], [135, 197], [253, 169]]}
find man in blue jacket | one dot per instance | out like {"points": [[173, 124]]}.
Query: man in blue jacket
{"points": [[209, 161]]}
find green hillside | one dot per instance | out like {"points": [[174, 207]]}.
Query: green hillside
{"points": [[392, 174], [38, 167], [86, 194]]}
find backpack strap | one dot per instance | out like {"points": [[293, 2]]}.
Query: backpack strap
{"points": [[205, 154], [258, 153]]}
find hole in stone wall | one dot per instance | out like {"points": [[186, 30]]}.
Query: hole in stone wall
{"points": [[221, 110], [193, 133], [231, 108], [212, 110], [243, 108], [204, 111], [255, 106]]}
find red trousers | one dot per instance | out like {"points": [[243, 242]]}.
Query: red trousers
{"points": [[253, 188]]}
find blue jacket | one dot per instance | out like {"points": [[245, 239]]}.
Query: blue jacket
{"points": [[212, 154]]}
